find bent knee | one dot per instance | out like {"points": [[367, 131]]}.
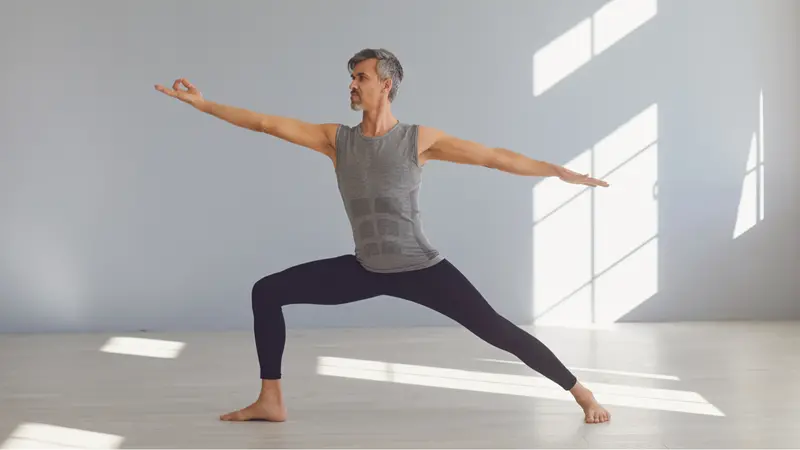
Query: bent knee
{"points": [[266, 291]]}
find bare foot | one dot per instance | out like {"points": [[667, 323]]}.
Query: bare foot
{"points": [[593, 411], [269, 412]]}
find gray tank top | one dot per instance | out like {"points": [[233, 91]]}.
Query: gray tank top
{"points": [[379, 180]]}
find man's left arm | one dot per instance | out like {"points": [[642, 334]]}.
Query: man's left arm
{"points": [[435, 145]]}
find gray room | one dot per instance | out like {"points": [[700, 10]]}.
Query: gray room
{"points": [[134, 227]]}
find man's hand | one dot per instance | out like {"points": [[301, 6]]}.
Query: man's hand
{"points": [[576, 178], [191, 95]]}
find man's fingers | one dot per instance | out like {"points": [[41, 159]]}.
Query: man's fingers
{"points": [[588, 181], [176, 88], [188, 85], [595, 182], [161, 88], [185, 83], [578, 178]]}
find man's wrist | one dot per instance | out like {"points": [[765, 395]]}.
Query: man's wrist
{"points": [[203, 105], [554, 170]]}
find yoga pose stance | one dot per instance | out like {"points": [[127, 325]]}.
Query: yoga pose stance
{"points": [[377, 165]]}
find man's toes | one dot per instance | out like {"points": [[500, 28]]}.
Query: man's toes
{"points": [[597, 417], [229, 416]]}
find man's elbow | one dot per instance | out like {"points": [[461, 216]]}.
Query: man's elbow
{"points": [[266, 125], [498, 159]]}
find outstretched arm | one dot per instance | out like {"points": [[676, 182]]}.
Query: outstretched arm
{"points": [[437, 145], [318, 137]]}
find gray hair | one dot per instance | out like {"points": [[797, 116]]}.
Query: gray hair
{"points": [[388, 66]]}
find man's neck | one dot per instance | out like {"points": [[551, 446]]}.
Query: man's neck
{"points": [[378, 122]]}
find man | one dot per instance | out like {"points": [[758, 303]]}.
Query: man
{"points": [[378, 165]]}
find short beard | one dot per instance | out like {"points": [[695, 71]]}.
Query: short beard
{"points": [[356, 106]]}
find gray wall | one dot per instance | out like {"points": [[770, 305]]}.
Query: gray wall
{"points": [[122, 209]]}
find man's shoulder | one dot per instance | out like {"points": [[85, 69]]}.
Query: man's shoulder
{"points": [[339, 127], [427, 136], [331, 130]]}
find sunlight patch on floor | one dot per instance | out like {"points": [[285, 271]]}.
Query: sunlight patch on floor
{"points": [[152, 348], [519, 385], [37, 435]]}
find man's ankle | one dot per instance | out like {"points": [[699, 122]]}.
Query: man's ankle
{"points": [[580, 390], [270, 392]]}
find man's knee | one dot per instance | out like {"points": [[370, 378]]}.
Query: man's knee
{"points": [[266, 292]]}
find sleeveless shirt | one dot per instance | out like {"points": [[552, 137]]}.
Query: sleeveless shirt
{"points": [[379, 181]]}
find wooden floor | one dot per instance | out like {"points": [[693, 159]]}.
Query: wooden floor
{"points": [[707, 385]]}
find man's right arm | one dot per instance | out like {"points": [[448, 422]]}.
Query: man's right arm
{"points": [[318, 137]]}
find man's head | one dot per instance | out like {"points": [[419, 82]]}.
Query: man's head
{"points": [[376, 75]]}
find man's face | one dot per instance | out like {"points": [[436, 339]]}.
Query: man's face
{"points": [[366, 89]]}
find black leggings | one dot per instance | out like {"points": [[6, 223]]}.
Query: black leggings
{"points": [[341, 280]]}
